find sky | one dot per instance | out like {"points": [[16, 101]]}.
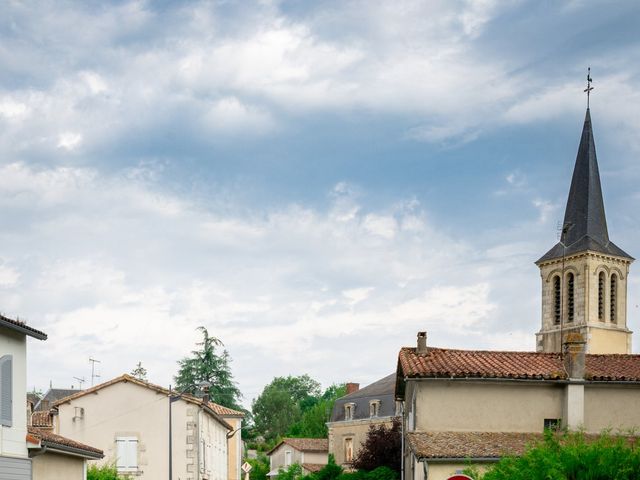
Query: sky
{"points": [[313, 182]]}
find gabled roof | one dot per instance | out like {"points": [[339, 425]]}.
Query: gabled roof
{"points": [[33, 398], [585, 207], [478, 364], [304, 444], [52, 441], [209, 407], [20, 326], [382, 390], [52, 396], [225, 411]]}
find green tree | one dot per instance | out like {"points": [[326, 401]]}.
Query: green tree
{"points": [[313, 421], [571, 456], [139, 372], [292, 472], [381, 448], [282, 403], [206, 364], [104, 472], [259, 467]]}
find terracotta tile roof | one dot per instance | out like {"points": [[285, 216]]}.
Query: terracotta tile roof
{"points": [[304, 444], [41, 419], [489, 445], [50, 439], [313, 467], [208, 407], [22, 327], [225, 411], [451, 363], [469, 444]]}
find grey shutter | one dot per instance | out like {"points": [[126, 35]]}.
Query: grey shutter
{"points": [[15, 468], [6, 391]]}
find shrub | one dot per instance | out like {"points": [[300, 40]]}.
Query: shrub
{"points": [[104, 472], [572, 456]]}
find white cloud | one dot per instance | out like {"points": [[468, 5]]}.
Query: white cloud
{"points": [[8, 276], [118, 278], [69, 140]]}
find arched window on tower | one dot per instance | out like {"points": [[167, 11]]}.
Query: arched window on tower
{"points": [[556, 300], [601, 282], [613, 298], [570, 297]]}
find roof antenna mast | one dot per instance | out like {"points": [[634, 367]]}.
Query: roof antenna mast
{"points": [[589, 87], [80, 382], [94, 375]]}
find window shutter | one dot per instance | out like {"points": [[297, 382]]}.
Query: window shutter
{"points": [[6, 391], [127, 453]]}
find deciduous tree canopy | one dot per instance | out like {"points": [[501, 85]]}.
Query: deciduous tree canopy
{"points": [[381, 448]]}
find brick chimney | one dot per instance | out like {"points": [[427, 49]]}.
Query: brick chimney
{"points": [[352, 387], [422, 343]]}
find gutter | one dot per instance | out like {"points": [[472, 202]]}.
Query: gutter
{"points": [[458, 459], [527, 380], [77, 452]]}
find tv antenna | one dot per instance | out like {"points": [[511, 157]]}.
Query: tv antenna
{"points": [[94, 375], [80, 382]]}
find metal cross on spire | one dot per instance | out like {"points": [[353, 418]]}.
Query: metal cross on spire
{"points": [[589, 87]]}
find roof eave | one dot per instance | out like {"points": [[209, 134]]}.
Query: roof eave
{"points": [[24, 329]]}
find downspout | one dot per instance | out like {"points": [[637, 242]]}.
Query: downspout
{"points": [[402, 458], [36, 453], [425, 468], [198, 440]]}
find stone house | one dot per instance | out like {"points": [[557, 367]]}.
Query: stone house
{"points": [[358, 410], [472, 405], [129, 419], [310, 453]]}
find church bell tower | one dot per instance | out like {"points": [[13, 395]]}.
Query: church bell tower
{"points": [[584, 276]]}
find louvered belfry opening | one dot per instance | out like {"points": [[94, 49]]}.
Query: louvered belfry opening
{"points": [[556, 300], [601, 280], [613, 299], [570, 297]]}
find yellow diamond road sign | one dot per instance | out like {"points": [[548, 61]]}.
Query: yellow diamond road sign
{"points": [[246, 468]]}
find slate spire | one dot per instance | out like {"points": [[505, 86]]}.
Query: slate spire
{"points": [[584, 214], [585, 222]]}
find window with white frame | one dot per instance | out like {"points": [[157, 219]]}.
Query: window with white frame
{"points": [[287, 458], [127, 454], [349, 411], [374, 408], [6, 390]]}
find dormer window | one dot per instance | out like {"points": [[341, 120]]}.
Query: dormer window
{"points": [[349, 411], [374, 408]]}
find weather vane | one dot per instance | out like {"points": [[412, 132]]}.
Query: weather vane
{"points": [[589, 87]]}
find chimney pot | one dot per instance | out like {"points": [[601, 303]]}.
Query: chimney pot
{"points": [[422, 343], [352, 387]]}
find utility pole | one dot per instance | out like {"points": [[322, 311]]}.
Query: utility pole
{"points": [[94, 375]]}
